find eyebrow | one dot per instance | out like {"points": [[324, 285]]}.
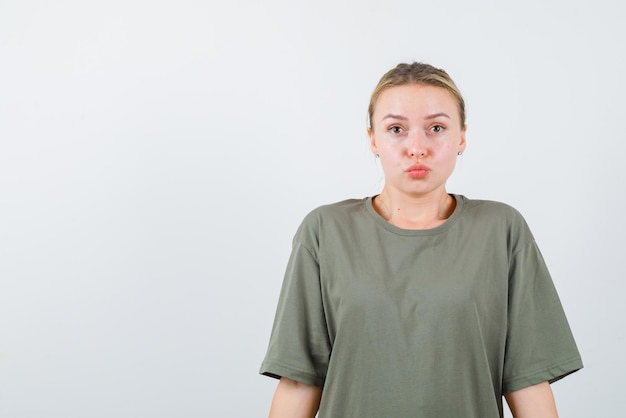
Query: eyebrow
{"points": [[391, 116], [432, 116], [436, 115]]}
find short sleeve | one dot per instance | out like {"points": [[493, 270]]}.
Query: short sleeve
{"points": [[299, 346], [540, 345]]}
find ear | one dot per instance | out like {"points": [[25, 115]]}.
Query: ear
{"points": [[373, 146], [463, 143]]}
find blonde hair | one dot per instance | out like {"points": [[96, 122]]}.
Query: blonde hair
{"points": [[416, 73]]}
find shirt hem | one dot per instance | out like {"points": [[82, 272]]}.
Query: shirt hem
{"points": [[278, 370], [550, 374]]}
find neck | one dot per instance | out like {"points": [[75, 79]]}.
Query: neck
{"points": [[415, 212]]}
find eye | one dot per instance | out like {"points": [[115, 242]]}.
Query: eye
{"points": [[437, 129], [395, 130]]}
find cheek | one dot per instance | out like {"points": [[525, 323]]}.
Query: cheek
{"points": [[391, 153], [449, 147], [386, 147]]}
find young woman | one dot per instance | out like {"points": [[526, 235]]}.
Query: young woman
{"points": [[417, 302]]}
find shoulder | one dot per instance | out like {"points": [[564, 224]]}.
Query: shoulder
{"points": [[497, 217], [329, 217], [491, 209], [334, 211]]}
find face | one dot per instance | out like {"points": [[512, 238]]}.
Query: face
{"points": [[416, 131]]}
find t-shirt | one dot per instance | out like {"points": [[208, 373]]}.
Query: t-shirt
{"points": [[418, 323]]}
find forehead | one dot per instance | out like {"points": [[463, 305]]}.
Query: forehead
{"points": [[416, 98]]}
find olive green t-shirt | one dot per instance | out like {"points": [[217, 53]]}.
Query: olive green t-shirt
{"points": [[418, 323]]}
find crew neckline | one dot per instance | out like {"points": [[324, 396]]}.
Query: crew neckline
{"points": [[447, 224]]}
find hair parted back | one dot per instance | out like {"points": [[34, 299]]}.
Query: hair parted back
{"points": [[416, 73]]}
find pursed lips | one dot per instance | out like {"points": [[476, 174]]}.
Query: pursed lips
{"points": [[418, 171]]}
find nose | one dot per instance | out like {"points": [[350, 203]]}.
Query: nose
{"points": [[417, 146]]}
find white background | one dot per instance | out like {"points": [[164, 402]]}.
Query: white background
{"points": [[156, 158]]}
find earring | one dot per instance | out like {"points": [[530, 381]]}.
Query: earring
{"points": [[376, 156], [460, 153]]}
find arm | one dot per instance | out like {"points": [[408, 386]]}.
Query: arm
{"points": [[532, 402], [295, 400]]}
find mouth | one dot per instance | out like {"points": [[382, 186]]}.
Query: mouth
{"points": [[417, 171]]}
